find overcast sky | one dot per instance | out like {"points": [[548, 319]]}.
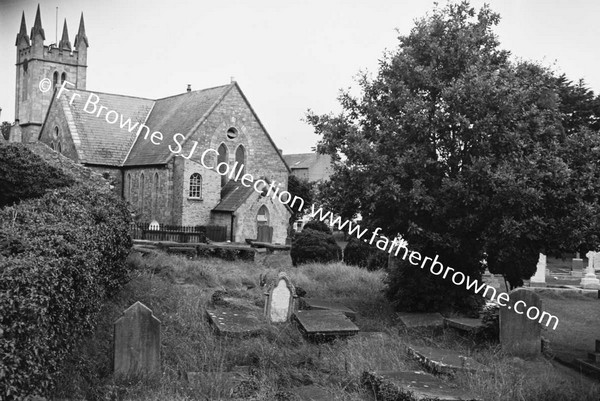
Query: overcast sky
{"points": [[287, 56]]}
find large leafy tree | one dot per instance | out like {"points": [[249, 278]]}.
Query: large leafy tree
{"points": [[466, 154]]}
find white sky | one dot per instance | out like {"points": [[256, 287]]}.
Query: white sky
{"points": [[287, 56]]}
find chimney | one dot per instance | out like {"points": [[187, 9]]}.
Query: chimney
{"points": [[189, 88], [232, 79]]}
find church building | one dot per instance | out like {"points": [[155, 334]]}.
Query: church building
{"points": [[151, 149]]}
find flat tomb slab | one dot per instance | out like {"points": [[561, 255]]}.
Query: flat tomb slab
{"points": [[467, 324], [414, 320], [325, 323], [326, 304], [235, 323], [414, 386], [444, 360]]}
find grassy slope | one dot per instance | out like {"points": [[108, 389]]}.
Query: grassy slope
{"points": [[177, 290]]}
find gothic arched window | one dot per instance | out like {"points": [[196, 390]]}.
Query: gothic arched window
{"points": [[223, 158], [63, 77], [262, 217], [155, 195], [129, 187], [55, 79], [195, 186], [240, 158], [141, 193]]}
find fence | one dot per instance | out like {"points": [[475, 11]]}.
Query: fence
{"points": [[186, 234]]}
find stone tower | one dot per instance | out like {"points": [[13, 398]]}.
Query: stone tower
{"points": [[56, 62]]}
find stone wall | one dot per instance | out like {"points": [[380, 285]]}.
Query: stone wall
{"points": [[246, 223], [155, 200]]}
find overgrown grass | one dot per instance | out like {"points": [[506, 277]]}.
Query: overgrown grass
{"points": [[178, 290]]}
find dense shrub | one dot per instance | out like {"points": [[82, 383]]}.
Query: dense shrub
{"points": [[317, 225], [67, 254], [359, 253], [312, 246], [16, 184]]}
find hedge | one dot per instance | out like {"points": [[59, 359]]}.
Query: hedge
{"points": [[310, 246], [66, 253]]}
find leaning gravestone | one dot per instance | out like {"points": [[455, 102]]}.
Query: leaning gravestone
{"points": [[280, 302], [137, 342], [519, 335]]}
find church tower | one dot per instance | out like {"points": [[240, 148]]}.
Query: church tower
{"points": [[36, 62]]}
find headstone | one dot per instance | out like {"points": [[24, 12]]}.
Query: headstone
{"points": [[590, 280], [137, 342], [577, 267], [539, 279], [280, 302], [519, 335], [464, 324]]}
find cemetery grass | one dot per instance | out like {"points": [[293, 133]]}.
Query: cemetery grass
{"points": [[178, 290]]}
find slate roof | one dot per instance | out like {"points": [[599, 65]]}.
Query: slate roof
{"points": [[300, 160], [175, 114], [233, 195], [100, 142]]}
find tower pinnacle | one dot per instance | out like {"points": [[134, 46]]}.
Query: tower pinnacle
{"points": [[22, 32], [64, 41], [37, 26], [81, 34]]}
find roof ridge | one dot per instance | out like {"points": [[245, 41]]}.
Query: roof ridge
{"points": [[111, 94], [198, 90]]}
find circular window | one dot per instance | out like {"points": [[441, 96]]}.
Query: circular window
{"points": [[232, 133]]}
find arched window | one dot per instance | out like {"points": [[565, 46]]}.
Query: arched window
{"points": [[59, 148], [155, 195], [55, 132], [55, 79], [141, 193], [262, 217], [195, 186], [129, 187], [240, 158], [52, 146], [63, 77], [223, 158]]}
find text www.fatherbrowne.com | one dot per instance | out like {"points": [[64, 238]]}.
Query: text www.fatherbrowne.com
{"points": [[436, 268]]}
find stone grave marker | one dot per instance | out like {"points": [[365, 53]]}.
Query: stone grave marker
{"points": [[590, 280], [519, 335], [280, 302], [539, 278], [416, 320], [137, 342]]}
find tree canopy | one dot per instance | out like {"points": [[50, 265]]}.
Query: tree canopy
{"points": [[466, 153]]}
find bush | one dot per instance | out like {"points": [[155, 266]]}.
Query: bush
{"points": [[317, 225], [68, 253], [311, 246], [24, 175], [359, 253]]}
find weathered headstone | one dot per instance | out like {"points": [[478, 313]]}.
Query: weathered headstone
{"points": [[590, 280], [577, 267], [137, 342], [520, 335], [416, 320], [539, 279], [280, 302]]}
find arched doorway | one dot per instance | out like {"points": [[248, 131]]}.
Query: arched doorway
{"points": [[263, 230]]}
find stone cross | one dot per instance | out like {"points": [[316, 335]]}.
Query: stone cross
{"points": [[590, 280], [137, 342], [539, 279], [280, 302], [520, 335]]}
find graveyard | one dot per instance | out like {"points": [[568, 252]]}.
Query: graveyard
{"points": [[221, 339]]}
